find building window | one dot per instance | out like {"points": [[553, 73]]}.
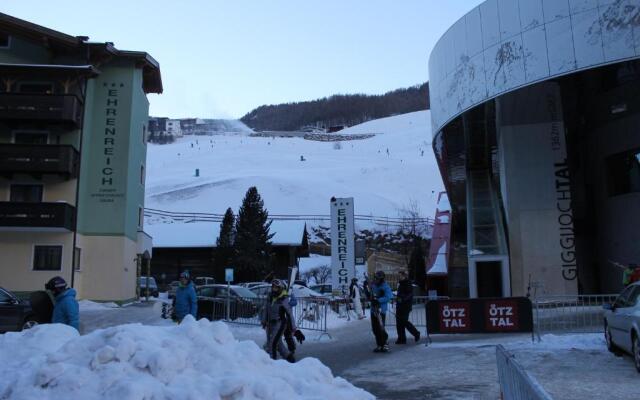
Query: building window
{"points": [[35, 87], [144, 134], [77, 253], [47, 258], [623, 173], [30, 137], [25, 193], [5, 41], [142, 175], [140, 217]]}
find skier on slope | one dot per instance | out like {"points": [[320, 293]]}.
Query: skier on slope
{"points": [[66, 309], [276, 317], [381, 295]]}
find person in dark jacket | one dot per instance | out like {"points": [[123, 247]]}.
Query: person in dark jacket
{"points": [[66, 309], [381, 295], [404, 303], [276, 318], [186, 301]]}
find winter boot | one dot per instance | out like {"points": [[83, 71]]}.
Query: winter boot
{"points": [[291, 358], [417, 337]]}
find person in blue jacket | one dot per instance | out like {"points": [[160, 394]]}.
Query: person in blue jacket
{"points": [[381, 295], [186, 301], [65, 310]]}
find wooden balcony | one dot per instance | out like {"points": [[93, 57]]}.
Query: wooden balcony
{"points": [[48, 216], [54, 108], [39, 159]]}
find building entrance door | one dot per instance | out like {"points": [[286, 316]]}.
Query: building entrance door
{"points": [[489, 275]]}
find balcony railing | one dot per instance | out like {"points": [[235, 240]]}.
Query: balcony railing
{"points": [[37, 215], [39, 159], [66, 108]]}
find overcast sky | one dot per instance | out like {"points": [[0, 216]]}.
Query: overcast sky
{"points": [[221, 59]]}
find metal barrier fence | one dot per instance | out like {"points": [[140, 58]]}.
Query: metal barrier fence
{"points": [[515, 382], [310, 313], [569, 314]]}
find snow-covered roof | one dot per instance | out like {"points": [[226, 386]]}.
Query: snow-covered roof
{"points": [[205, 234], [314, 260]]}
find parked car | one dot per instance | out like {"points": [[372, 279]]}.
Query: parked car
{"points": [[304, 292], [173, 286], [15, 314], [250, 285], [261, 290], [622, 323], [204, 280], [323, 288], [212, 302], [144, 283]]}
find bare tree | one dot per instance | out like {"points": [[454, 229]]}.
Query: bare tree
{"points": [[320, 274], [413, 223]]}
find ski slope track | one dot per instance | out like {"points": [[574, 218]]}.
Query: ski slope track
{"points": [[384, 173]]}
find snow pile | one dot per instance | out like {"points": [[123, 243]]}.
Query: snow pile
{"points": [[88, 305], [194, 360]]}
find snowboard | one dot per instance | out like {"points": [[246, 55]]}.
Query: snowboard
{"points": [[42, 306]]}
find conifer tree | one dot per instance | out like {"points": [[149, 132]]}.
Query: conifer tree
{"points": [[226, 239], [305, 243], [252, 241]]}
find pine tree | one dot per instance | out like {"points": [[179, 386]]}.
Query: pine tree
{"points": [[305, 243], [226, 239], [252, 241]]}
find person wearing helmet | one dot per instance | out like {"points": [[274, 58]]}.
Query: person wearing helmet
{"points": [[381, 295], [65, 310], [276, 318], [186, 301]]}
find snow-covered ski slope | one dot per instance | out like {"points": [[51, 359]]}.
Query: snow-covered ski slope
{"points": [[382, 183]]}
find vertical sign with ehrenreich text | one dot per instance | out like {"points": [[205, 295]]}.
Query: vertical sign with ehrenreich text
{"points": [[342, 245]]}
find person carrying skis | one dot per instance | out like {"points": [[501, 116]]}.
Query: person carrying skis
{"points": [[354, 294], [404, 303], [186, 301], [380, 297], [276, 317], [66, 309]]}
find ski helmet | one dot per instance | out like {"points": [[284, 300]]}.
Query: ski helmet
{"points": [[185, 275], [379, 275], [55, 283], [277, 283]]}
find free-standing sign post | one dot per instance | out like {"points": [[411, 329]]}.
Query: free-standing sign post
{"points": [[342, 244], [228, 276]]}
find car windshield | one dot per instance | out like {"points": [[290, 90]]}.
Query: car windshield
{"points": [[244, 292], [143, 281]]}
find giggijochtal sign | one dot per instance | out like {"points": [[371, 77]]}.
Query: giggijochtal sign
{"points": [[342, 245]]}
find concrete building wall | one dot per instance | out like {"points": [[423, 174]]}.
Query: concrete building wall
{"points": [[536, 189], [16, 253], [108, 268]]}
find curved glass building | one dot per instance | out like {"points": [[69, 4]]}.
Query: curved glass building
{"points": [[535, 108]]}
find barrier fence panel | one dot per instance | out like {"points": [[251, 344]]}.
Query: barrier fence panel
{"points": [[570, 314], [515, 382]]}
